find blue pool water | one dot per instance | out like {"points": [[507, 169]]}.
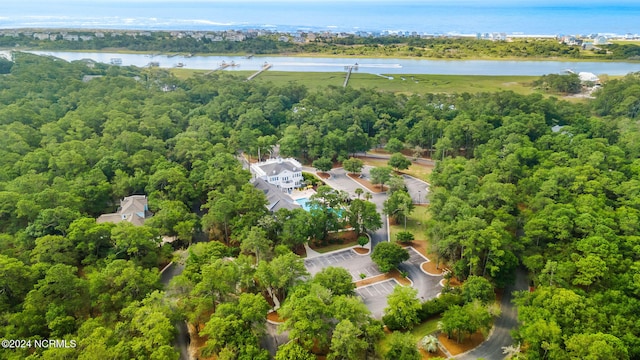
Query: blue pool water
{"points": [[304, 202]]}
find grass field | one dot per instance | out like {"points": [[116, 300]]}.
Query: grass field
{"points": [[419, 171], [415, 224], [411, 83]]}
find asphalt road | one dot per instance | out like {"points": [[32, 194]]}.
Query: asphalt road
{"points": [[508, 320], [272, 339], [182, 340], [428, 286], [374, 296]]}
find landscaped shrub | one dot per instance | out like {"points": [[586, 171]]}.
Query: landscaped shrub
{"points": [[438, 305]]}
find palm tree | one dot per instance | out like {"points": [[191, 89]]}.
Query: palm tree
{"points": [[359, 192]]}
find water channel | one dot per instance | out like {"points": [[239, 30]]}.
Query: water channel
{"points": [[364, 65]]}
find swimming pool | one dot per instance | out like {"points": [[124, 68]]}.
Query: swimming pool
{"points": [[306, 205], [304, 202]]}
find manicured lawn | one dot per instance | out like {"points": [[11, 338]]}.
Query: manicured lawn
{"points": [[415, 224], [333, 247], [418, 333], [344, 240], [419, 171]]}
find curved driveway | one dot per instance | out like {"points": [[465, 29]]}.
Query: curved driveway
{"points": [[182, 338], [501, 335]]}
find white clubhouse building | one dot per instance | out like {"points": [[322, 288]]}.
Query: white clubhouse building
{"points": [[286, 174]]}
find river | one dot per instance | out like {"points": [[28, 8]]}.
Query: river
{"points": [[365, 65]]}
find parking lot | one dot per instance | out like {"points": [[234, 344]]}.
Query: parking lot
{"points": [[379, 289], [414, 257], [348, 259], [375, 296]]}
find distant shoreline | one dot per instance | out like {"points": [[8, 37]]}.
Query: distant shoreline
{"points": [[451, 34]]}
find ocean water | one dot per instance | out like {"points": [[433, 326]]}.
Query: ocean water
{"points": [[433, 17]]}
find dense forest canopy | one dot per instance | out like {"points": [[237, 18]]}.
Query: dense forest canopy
{"points": [[507, 191]]}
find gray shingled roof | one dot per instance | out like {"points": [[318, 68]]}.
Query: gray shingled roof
{"points": [[277, 168], [275, 197]]}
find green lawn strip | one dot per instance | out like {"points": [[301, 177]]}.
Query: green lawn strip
{"points": [[418, 332], [418, 171], [415, 224], [333, 247]]}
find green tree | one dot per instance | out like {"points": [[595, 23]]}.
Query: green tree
{"points": [[478, 288], [323, 164], [293, 351], [363, 240], [404, 236], [92, 240], [307, 312], [363, 216], [353, 165], [388, 256], [281, 274], [346, 342], [398, 205], [337, 280], [399, 162], [396, 183], [52, 222], [16, 279], [218, 282], [468, 318], [596, 346], [295, 230], [402, 310], [256, 242], [120, 283], [236, 326], [136, 242], [402, 347], [394, 146], [54, 249], [380, 175], [146, 330]]}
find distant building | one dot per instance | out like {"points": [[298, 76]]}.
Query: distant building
{"points": [[133, 209], [587, 77], [285, 174], [41, 36], [600, 40]]}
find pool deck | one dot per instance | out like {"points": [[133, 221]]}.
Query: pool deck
{"points": [[301, 194]]}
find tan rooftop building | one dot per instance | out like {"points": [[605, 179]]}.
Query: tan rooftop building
{"points": [[133, 209]]}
